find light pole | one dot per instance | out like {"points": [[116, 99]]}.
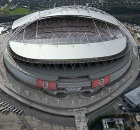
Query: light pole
{"points": [[79, 102], [58, 101], [18, 89], [27, 93], [123, 80], [46, 99], [128, 75], [109, 90], [92, 98], [117, 85], [36, 96], [132, 72], [72, 102], [102, 93]]}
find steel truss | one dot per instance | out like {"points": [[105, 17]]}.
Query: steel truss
{"points": [[56, 63], [64, 64]]}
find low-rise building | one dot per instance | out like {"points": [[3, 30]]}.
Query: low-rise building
{"points": [[113, 124], [133, 97]]}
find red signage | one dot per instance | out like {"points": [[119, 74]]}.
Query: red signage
{"points": [[39, 83], [50, 85], [46, 84], [100, 82]]}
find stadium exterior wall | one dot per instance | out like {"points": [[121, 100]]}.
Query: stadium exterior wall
{"points": [[32, 80]]}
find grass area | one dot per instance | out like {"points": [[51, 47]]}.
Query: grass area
{"points": [[18, 11], [5, 9]]}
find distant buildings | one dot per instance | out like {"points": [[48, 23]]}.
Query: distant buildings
{"points": [[34, 4]]}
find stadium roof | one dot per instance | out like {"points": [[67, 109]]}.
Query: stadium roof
{"points": [[69, 52], [66, 10]]}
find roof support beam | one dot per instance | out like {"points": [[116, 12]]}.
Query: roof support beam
{"points": [[97, 29], [36, 31], [73, 66], [64, 67], [109, 30], [48, 66], [24, 32]]}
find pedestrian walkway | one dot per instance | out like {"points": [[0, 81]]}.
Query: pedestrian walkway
{"points": [[25, 123], [80, 119]]}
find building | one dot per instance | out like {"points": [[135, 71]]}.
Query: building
{"points": [[113, 124], [67, 58], [68, 52], [133, 97]]}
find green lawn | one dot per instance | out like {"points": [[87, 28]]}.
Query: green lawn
{"points": [[18, 11], [5, 9]]}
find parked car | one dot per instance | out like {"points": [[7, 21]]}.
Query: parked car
{"points": [[1, 109], [120, 106], [123, 109], [12, 108], [7, 105], [2, 103], [15, 110], [20, 113], [3, 112]]}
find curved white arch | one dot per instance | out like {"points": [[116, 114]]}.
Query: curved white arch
{"points": [[66, 11]]}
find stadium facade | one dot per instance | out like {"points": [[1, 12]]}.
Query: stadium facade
{"points": [[68, 50]]}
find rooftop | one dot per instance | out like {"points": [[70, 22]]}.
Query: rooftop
{"points": [[81, 11], [134, 96]]}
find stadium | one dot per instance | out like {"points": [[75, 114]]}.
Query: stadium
{"points": [[68, 58]]}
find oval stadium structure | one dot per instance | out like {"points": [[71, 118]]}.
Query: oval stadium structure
{"points": [[69, 58]]}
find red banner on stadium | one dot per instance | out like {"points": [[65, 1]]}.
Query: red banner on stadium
{"points": [[39, 83], [46, 84], [100, 82], [50, 85]]}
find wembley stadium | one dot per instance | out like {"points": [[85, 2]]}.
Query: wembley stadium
{"points": [[60, 59]]}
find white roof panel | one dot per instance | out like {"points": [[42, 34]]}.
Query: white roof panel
{"points": [[63, 11], [69, 52]]}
